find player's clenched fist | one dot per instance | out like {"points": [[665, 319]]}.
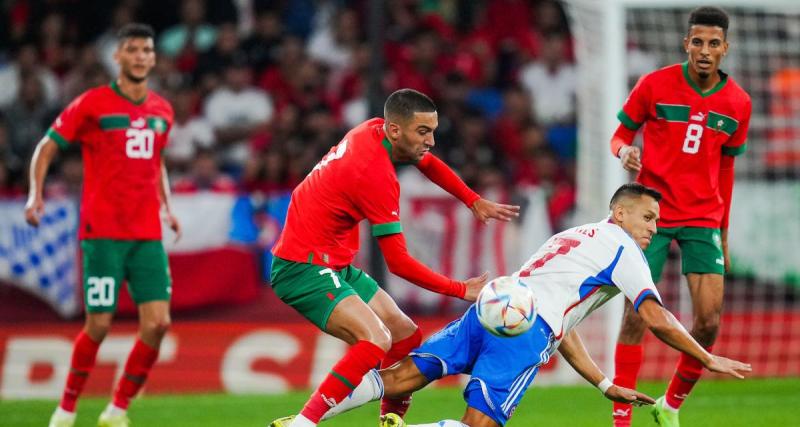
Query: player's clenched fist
{"points": [[33, 209], [630, 158]]}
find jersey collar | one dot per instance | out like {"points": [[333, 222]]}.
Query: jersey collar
{"points": [[115, 88], [723, 80]]}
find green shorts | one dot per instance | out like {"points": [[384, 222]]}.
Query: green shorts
{"points": [[701, 250], [107, 263], [314, 290]]}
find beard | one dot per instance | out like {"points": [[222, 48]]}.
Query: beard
{"points": [[703, 74], [135, 79]]}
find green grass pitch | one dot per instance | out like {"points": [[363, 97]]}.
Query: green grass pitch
{"points": [[748, 403]]}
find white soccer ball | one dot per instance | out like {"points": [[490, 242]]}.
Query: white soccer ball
{"points": [[506, 307]]}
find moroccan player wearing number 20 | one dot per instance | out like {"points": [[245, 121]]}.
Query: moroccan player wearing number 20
{"points": [[311, 270], [572, 274], [122, 129]]}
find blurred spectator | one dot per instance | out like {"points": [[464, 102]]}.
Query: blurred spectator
{"points": [[190, 132], [7, 186], [28, 117], [189, 37], [551, 81], [26, 62], [550, 18], [421, 65], [204, 175], [513, 120], [106, 43], [56, 53], [268, 173], [333, 44], [275, 79], [88, 72], [263, 46], [238, 111], [222, 53]]}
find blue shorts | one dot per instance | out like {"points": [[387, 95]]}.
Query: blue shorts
{"points": [[501, 368]]}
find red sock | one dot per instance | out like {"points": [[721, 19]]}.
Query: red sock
{"points": [[84, 352], [343, 379], [399, 350], [627, 362], [137, 367], [683, 380]]}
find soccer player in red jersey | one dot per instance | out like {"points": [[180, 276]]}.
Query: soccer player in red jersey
{"points": [[312, 269], [122, 129], [695, 121]]}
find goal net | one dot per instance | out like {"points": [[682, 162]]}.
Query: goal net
{"points": [[619, 40]]}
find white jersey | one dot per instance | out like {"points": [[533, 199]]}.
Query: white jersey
{"points": [[578, 270]]}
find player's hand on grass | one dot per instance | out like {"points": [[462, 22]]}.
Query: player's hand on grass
{"points": [[723, 365], [174, 225], [630, 157], [626, 395], [33, 210], [484, 210], [474, 286]]}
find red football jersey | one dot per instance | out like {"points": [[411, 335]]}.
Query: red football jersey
{"points": [[355, 180], [121, 141], [686, 132]]}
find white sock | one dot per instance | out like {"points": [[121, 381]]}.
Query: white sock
{"points": [[301, 421], [668, 407], [114, 410], [443, 423], [370, 388], [63, 413]]}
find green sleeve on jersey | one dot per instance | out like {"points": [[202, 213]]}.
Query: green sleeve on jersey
{"points": [[60, 140], [387, 228], [734, 151], [627, 121]]}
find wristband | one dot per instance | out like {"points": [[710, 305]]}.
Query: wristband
{"points": [[605, 385]]}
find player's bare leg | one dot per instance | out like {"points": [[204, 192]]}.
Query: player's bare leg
{"points": [[706, 291], [406, 336], [84, 352], [154, 322], [355, 323], [627, 360]]}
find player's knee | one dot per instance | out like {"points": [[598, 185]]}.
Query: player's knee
{"points": [[97, 327], [400, 325], [382, 338], [156, 328]]}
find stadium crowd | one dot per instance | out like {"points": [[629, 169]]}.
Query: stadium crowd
{"points": [[262, 89]]}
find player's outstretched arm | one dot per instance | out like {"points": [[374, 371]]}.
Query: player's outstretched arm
{"points": [[42, 157], [575, 354], [401, 263], [440, 174], [666, 328]]}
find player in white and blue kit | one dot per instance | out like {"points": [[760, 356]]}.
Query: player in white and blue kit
{"points": [[572, 274]]}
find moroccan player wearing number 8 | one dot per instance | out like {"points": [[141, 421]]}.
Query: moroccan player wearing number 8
{"points": [[122, 129], [695, 121], [572, 274], [311, 269]]}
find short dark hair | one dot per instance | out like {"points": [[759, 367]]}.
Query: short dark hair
{"points": [[135, 30], [633, 189], [711, 16], [403, 103]]}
